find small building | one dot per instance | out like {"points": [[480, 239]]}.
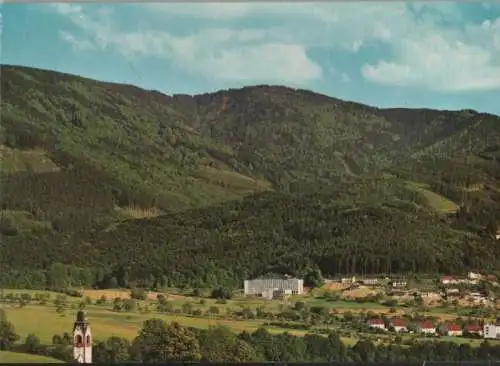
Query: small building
{"points": [[82, 339], [491, 278], [474, 276], [491, 331], [398, 325], [377, 323], [453, 329], [399, 284], [473, 329], [370, 281], [448, 280], [263, 287], [348, 280], [426, 327]]}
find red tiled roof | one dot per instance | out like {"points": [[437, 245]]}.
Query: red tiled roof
{"points": [[376, 321], [473, 328], [397, 322], [453, 327], [427, 325]]}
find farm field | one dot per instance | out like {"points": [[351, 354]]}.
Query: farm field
{"points": [[15, 357], [339, 306], [44, 321]]}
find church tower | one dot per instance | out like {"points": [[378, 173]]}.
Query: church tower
{"points": [[82, 339]]}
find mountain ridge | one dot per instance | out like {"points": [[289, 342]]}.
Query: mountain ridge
{"points": [[84, 162]]}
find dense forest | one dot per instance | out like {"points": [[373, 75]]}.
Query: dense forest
{"points": [[107, 184]]}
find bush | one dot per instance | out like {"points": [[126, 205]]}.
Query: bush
{"points": [[138, 294]]}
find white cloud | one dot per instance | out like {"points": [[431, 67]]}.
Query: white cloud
{"points": [[284, 63], [451, 60], [218, 53], [423, 52], [77, 44]]}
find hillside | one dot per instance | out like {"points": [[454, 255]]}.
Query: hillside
{"points": [[141, 179]]}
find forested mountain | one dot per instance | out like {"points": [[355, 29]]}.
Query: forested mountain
{"points": [[198, 190]]}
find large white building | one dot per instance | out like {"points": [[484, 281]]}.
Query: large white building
{"points": [[491, 331], [262, 287]]}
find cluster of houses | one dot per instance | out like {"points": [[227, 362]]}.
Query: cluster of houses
{"points": [[471, 279], [398, 325], [452, 288], [275, 288]]}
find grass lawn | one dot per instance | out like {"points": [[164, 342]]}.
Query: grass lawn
{"points": [[348, 305], [45, 322], [15, 357], [458, 340]]}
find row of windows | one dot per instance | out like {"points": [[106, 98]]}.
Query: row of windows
{"points": [[79, 341]]}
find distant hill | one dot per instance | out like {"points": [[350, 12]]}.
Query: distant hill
{"points": [[91, 165]]}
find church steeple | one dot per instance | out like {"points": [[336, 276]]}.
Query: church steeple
{"points": [[82, 339]]}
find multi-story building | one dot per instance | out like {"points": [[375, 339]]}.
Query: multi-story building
{"points": [[260, 287], [491, 331]]}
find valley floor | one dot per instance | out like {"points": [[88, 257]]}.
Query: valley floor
{"points": [[15, 357]]}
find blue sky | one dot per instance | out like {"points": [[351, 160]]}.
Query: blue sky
{"points": [[411, 54]]}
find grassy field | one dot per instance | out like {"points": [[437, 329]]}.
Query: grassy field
{"points": [[178, 300], [14, 357], [436, 201], [45, 322]]}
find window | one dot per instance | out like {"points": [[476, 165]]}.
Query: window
{"points": [[88, 340], [78, 340]]}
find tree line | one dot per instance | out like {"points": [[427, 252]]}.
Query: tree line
{"points": [[159, 341]]}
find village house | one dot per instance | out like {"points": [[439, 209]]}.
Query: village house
{"points": [[491, 278], [473, 329], [348, 280], [453, 329], [426, 327], [491, 331], [377, 323], [448, 280], [398, 284], [370, 281], [398, 325], [477, 298], [474, 276], [453, 292]]}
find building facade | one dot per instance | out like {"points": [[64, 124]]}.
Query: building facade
{"points": [[426, 328], [491, 331], [263, 287], [82, 339], [377, 323]]}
